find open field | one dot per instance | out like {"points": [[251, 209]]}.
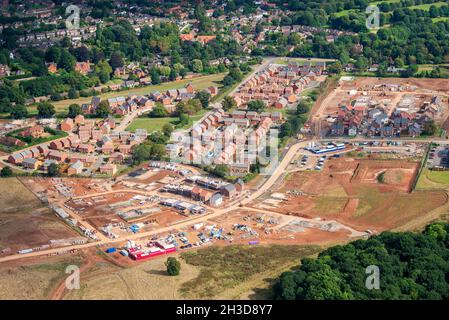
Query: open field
{"points": [[360, 193], [154, 124], [24, 221], [198, 83], [426, 6], [34, 280], [431, 179], [224, 268]]}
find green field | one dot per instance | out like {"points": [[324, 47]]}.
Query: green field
{"points": [[430, 179], [434, 20], [198, 83], [154, 124], [384, 1], [427, 6]]}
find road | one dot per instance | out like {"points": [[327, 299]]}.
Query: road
{"points": [[129, 118]]}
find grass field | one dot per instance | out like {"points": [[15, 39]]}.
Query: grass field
{"points": [[225, 268], [330, 205], [155, 124], [430, 179], [199, 83], [35, 281], [426, 6], [434, 20]]}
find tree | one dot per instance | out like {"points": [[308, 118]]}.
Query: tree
{"points": [[183, 119], [335, 67], [204, 98], [103, 70], [6, 172], [53, 170], [221, 170], [167, 129], [173, 75], [158, 111], [256, 105], [19, 111], [302, 107], [140, 153], [116, 60], [361, 63], [228, 103], [74, 110], [66, 61], [286, 130], [173, 266], [436, 230], [73, 94], [103, 110], [45, 110], [155, 77], [430, 128], [197, 65]]}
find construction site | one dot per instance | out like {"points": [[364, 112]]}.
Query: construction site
{"points": [[381, 107]]}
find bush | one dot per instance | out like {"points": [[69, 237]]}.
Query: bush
{"points": [[6, 172], [173, 266]]}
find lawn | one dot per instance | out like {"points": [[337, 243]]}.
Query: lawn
{"points": [[155, 124], [198, 83]]}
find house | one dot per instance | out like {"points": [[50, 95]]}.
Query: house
{"points": [[200, 194], [11, 141], [229, 190], [15, 159], [52, 67], [56, 145], [107, 147], [110, 169], [31, 163], [33, 132], [189, 88], [239, 169], [125, 148], [205, 39], [67, 125], [281, 104], [82, 67], [117, 158], [216, 200], [79, 119], [57, 156], [85, 148], [187, 37], [5, 71], [239, 185], [75, 168], [213, 90]]}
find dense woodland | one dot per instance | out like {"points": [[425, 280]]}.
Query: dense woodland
{"points": [[412, 266]]}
